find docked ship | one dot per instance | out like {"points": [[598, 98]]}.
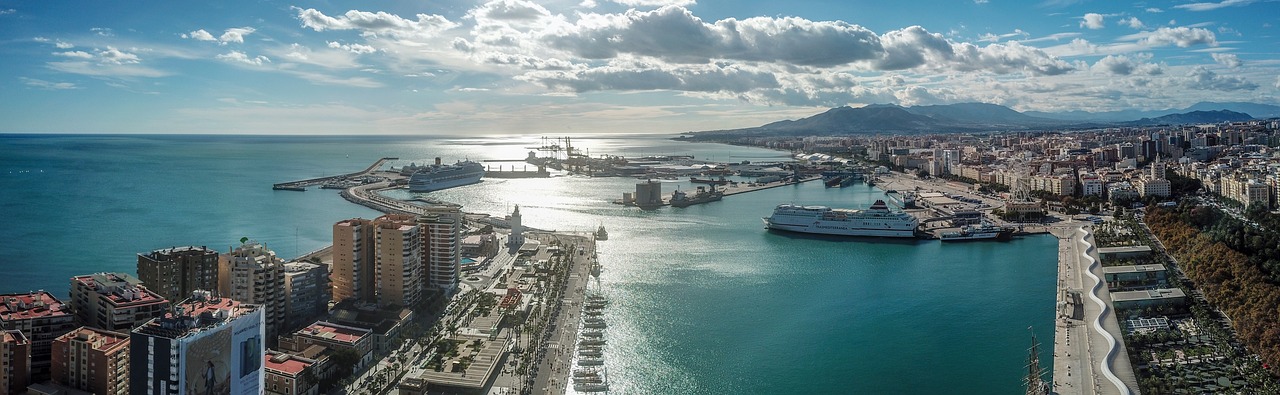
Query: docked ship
{"points": [[986, 231], [680, 199], [877, 221], [711, 181], [438, 176]]}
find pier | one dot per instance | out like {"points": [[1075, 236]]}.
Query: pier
{"points": [[303, 184], [731, 189], [1089, 356]]}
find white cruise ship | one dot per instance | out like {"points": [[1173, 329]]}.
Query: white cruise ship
{"points": [[438, 176], [878, 221]]}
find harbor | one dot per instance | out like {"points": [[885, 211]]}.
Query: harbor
{"points": [[302, 185]]}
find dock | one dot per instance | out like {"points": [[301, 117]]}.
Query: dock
{"points": [[1089, 356], [730, 190], [302, 185]]}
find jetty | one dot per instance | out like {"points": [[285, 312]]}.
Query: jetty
{"points": [[302, 185]]}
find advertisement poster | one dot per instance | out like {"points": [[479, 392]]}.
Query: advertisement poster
{"points": [[247, 350], [208, 362]]}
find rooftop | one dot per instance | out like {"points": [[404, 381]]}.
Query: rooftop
{"points": [[285, 363], [197, 312], [120, 289], [1151, 294], [334, 332], [99, 339], [30, 305], [1133, 269], [14, 336]]}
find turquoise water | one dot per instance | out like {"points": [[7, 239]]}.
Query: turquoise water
{"points": [[705, 300]]}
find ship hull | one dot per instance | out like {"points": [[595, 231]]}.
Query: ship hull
{"points": [[830, 228], [436, 186], [1003, 235]]}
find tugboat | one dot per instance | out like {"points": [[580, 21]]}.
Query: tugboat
{"points": [[602, 234]]}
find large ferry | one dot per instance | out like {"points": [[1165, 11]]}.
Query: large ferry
{"points": [[986, 231], [438, 176], [878, 220]]}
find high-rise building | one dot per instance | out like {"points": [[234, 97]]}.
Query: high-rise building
{"points": [[15, 362], [176, 272], [397, 257], [307, 292], [442, 245], [92, 360], [209, 345], [380, 260], [253, 274], [352, 275], [41, 318], [114, 301]]}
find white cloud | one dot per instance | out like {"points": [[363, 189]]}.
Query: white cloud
{"points": [[200, 35], [1203, 79], [1125, 65], [241, 57], [1132, 22], [102, 31], [235, 35], [1277, 82], [1154, 10], [63, 44], [353, 48], [981, 1], [7, 11], [653, 3], [1181, 36], [42, 84], [1091, 21], [116, 56], [107, 69], [1227, 59], [1213, 6], [74, 54], [376, 23]]}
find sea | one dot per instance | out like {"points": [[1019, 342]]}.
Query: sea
{"points": [[704, 300]]}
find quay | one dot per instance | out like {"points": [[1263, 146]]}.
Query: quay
{"points": [[302, 185], [1089, 356], [730, 190]]}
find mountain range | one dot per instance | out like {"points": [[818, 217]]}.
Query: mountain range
{"points": [[977, 117]]}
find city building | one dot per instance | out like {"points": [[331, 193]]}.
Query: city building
{"points": [[41, 318], [252, 274], [1152, 187], [209, 345], [92, 360], [352, 275], [15, 362], [287, 374], [175, 273], [307, 292], [442, 245], [114, 301], [335, 337], [379, 261]]}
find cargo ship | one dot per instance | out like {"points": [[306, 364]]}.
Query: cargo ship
{"points": [[877, 221], [681, 199]]}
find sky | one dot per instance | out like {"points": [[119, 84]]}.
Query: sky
{"points": [[461, 68]]}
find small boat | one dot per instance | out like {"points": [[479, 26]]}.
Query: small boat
{"points": [[595, 325], [590, 387], [591, 342], [590, 352], [586, 373], [590, 361], [593, 334]]}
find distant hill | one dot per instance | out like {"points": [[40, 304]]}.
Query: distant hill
{"points": [[1194, 117], [1254, 109], [974, 117]]}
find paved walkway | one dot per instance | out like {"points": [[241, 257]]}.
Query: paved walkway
{"points": [[1084, 359]]}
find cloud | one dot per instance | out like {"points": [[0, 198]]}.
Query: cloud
{"points": [[1227, 59], [107, 69], [708, 78], [47, 85], [981, 1], [235, 34], [1154, 10], [241, 57], [1203, 79], [116, 56], [653, 3], [1132, 22], [1277, 82], [375, 23], [63, 44], [1213, 6], [1091, 21], [1124, 65], [200, 35], [1181, 36], [353, 48], [102, 31], [74, 54], [7, 11]]}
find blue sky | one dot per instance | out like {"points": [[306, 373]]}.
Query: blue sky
{"points": [[604, 66]]}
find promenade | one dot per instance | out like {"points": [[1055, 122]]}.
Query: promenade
{"points": [[1088, 354]]}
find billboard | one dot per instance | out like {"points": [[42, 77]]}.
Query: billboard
{"points": [[226, 359]]}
